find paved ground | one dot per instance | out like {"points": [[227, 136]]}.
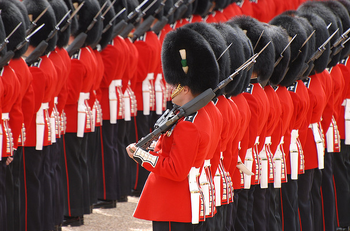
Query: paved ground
{"points": [[117, 219]]}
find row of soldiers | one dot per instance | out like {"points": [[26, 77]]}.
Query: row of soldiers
{"points": [[278, 155], [78, 87]]}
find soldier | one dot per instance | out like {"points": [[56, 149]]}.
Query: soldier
{"points": [[198, 61]]}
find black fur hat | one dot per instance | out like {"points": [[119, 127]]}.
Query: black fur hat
{"points": [[280, 40], [340, 10], [199, 58], [248, 52], [202, 7], [237, 58], [327, 15], [85, 17], [107, 36], [217, 43], [221, 4], [2, 37], [11, 17], [60, 9], [74, 22], [184, 11], [297, 61], [321, 35], [265, 62], [311, 43], [346, 4], [34, 8], [23, 11]]}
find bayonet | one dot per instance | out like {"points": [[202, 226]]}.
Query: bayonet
{"points": [[94, 20], [257, 42], [284, 50], [135, 12], [113, 19], [57, 27], [6, 40], [308, 38], [158, 26], [33, 24], [26, 40], [322, 48], [69, 21], [108, 8], [228, 47]]}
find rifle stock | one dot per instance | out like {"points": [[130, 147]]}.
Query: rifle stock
{"points": [[38, 51], [76, 44], [158, 26], [144, 27], [6, 58]]}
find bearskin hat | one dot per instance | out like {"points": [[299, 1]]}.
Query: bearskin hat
{"points": [[321, 35], [255, 31], [202, 7], [196, 67], [248, 52], [153, 9], [236, 54], [329, 18], [297, 60], [108, 35], [11, 17], [340, 10], [346, 4], [60, 9], [280, 40], [35, 8], [217, 43], [2, 37], [184, 11], [74, 22], [23, 11], [118, 6], [221, 4]]}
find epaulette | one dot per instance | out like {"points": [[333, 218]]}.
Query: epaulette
{"points": [[344, 61], [76, 55], [249, 89], [307, 81], [275, 87]]}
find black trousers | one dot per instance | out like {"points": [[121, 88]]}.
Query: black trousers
{"points": [[274, 209], [46, 181], [31, 189], [57, 181], [305, 182], [259, 209], [12, 191], [93, 151], [290, 205], [139, 174], [327, 190], [341, 173], [107, 162], [172, 226], [72, 175], [3, 207], [241, 222]]}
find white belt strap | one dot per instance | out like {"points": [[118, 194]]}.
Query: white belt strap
{"points": [[82, 110], [277, 181], [319, 144], [204, 184], [1, 141], [146, 96], [113, 104], [346, 103], [159, 94], [264, 168], [127, 106], [40, 128], [195, 194], [248, 162], [293, 150], [217, 183]]}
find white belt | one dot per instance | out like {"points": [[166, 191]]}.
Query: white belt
{"points": [[146, 89], [1, 140], [277, 159], [204, 184], [159, 94], [113, 102], [40, 127], [346, 103], [293, 149], [127, 106], [248, 162], [319, 144], [195, 195], [82, 110], [5, 116]]}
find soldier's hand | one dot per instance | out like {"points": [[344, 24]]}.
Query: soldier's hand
{"points": [[9, 160], [130, 149]]}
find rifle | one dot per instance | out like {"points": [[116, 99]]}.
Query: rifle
{"points": [[6, 58], [131, 26], [146, 24], [33, 24], [108, 8], [169, 118], [6, 40], [158, 26], [41, 48], [183, 10], [79, 41], [69, 21], [284, 50]]}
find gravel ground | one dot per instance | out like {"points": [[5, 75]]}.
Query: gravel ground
{"points": [[119, 219]]}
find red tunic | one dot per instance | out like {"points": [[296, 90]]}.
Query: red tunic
{"points": [[166, 195]]}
